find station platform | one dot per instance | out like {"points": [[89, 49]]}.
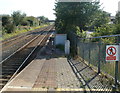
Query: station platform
{"points": [[47, 72]]}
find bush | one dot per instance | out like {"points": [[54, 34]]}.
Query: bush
{"points": [[117, 29], [106, 29], [10, 28], [25, 23]]}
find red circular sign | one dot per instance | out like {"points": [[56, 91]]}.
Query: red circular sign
{"points": [[111, 51]]}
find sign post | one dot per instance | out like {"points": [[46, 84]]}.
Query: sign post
{"points": [[113, 54]]}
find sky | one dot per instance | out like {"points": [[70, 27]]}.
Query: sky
{"points": [[45, 7]]}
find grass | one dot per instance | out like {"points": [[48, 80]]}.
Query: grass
{"points": [[109, 68], [17, 32]]}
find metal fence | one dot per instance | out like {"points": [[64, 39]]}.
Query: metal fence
{"points": [[94, 53]]}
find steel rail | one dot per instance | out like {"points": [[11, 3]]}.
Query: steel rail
{"points": [[27, 57], [17, 37], [3, 48], [19, 49]]}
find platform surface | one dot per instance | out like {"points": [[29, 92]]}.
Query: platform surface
{"points": [[45, 74]]}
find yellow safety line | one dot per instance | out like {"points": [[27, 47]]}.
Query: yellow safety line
{"points": [[70, 89], [39, 89]]}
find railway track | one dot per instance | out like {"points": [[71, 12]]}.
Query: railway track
{"points": [[10, 46], [19, 59], [20, 36]]}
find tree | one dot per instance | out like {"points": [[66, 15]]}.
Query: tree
{"points": [[18, 17], [117, 23], [74, 13], [82, 14], [117, 18], [43, 19], [100, 18], [7, 24], [32, 21], [5, 20], [25, 23]]}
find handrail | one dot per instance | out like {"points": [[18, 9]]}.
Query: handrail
{"points": [[118, 35]]}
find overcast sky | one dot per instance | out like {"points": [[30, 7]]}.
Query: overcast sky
{"points": [[44, 7]]}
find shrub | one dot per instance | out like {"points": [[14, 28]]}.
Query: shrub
{"points": [[10, 28]]}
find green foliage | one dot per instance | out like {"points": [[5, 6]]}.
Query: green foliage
{"points": [[104, 30], [25, 23], [18, 23], [43, 19], [8, 35], [5, 20], [100, 18], [7, 24], [10, 28], [18, 17], [117, 18], [81, 34], [117, 29], [107, 29], [73, 28], [75, 14], [32, 21]]}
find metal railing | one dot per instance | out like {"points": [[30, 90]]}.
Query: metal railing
{"points": [[93, 51]]}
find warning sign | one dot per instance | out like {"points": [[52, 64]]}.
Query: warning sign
{"points": [[112, 53]]}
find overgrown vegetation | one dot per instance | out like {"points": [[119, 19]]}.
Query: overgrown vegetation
{"points": [[86, 16], [108, 29], [19, 22], [17, 32], [82, 15]]}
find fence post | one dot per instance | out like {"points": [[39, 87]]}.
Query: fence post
{"points": [[76, 45], [116, 68], [89, 50], [83, 49], [99, 44]]}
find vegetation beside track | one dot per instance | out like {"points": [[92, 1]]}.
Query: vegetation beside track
{"points": [[19, 22], [9, 35], [81, 17]]}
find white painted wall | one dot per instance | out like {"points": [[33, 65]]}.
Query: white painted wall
{"points": [[67, 47], [60, 39]]}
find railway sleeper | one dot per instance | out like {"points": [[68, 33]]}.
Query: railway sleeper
{"points": [[12, 65], [2, 85], [2, 79], [9, 67], [8, 74], [8, 70], [5, 76]]}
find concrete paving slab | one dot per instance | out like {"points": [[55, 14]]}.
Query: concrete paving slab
{"points": [[47, 72], [27, 77], [41, 74]]}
